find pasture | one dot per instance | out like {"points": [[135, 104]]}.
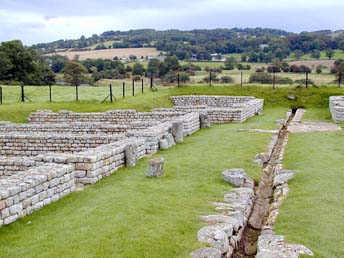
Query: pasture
{"points": [[109, 53]]}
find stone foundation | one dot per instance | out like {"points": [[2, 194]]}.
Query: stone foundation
{"points": [[27, 191], [337, 108]]}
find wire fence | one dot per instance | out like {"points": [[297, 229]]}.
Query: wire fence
{"points": [[115, 89]]}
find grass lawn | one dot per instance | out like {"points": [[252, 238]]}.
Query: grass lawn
{"points": [[313, 212], [91, 97], [129, 215]]}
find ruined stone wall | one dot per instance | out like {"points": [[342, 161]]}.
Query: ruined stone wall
{"points": [[220, 109], [112, 116], [14, 144], [74, 127], [210, 101], [11, 165], [337, 108], [94, 164], [27, 191]]}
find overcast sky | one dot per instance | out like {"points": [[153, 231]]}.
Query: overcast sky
{"points": [[35, 21]]}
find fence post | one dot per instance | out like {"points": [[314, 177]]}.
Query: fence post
{"points": [[306, 80], [0, 95], [339, 79], [133, 84], [77, 93], [123, 89], [210, 78], [50, 97], [22, 94], [241, 79], [142, 85], [274, 81], [151, 82], [178, 80], [111, 96]]}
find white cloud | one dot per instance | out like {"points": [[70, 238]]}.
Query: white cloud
{"points": [[36, 21]]}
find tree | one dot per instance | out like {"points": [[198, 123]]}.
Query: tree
{"points": [[230, 63], [74, 73], [298, 54], [138, 69], [316, 54], [21, 65], [153, 68], [170, 64], [329, 53]]}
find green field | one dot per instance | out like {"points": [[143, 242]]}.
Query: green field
{"points": [[128, 215], [338, 54], [312, 214]]}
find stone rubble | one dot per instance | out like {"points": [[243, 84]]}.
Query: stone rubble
{"points": [[237, 177], [156, 167]]}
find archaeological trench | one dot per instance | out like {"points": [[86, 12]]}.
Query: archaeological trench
{"points": [[56, 153]]}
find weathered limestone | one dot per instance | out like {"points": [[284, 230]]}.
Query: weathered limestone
{"points": [[130, 152], [225, 229], [204, 120], [283, 176], [177, 131], [337, 108], [220, 109], [237, 177], [30, 190], [274, 246], [214, 237], [206, 252], [156, 167]]}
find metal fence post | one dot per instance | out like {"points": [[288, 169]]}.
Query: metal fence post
{"points": [[123, 89], [0, 95], [50, 97], [133, 84]]}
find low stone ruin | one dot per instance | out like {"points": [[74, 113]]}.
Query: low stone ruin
{"points": [[47, 158], [336, 104], [219, 109], [156, 167]]}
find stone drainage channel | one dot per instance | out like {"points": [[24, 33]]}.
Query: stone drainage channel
{"points": [[263, 195], [271, 190], [249, 212]]}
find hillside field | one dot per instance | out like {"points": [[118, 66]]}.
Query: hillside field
{"points": [[109, 53]]}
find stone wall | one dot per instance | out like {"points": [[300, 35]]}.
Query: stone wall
{"points": [[30, 190], [210, 101], [113, 116], [94, 164], [220, 109], [14, 144], [337, 108], [10, 166], [74, 127]]}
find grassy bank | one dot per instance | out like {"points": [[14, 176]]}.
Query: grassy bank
{"points": [[91, 102], [313, 212]]}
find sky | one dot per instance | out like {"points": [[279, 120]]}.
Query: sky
{"points": [[36, 21]]}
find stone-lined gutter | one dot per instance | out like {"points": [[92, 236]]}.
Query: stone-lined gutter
{"points": [[245, 227]]}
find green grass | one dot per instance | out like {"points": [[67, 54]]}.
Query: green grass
{"points": [[128, 215], [91, 98], [338, 54], [313, 212]]}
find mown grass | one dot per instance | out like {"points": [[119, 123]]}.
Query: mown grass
{"points": [[128, 215], [313, 212]]}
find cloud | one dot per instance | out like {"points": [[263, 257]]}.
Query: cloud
{"points": [[41, 21]]}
